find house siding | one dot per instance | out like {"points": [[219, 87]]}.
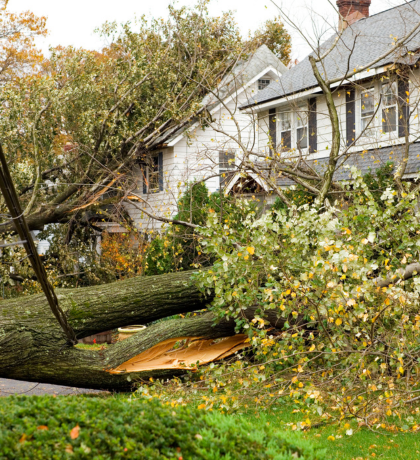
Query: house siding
{"points": [[196, 157]]}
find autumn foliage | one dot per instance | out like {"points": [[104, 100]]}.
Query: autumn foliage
{"points": [[18, 53]]}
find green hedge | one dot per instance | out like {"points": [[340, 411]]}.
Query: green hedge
{"points": [[41, 427]]}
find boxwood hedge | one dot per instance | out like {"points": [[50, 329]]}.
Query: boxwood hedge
{"points": [[44, 427]]}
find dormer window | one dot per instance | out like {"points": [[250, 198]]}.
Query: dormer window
{"points": [[263, 83]]}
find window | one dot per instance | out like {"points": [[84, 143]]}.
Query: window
{"points": [[389, 107], [285, 127], [378, 111], [152, 168], [263, 83], [302, 130], [154, 174], [292, 129], [226, 166], [367, 110]]}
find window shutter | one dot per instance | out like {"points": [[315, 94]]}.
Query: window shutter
{"points": [[404, 107], [272, 128], [350, 116], [312, 125], [160, 168], [144, 175]]}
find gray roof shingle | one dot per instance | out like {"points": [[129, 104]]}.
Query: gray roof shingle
{"points": [[363, 42], [367, 161]]}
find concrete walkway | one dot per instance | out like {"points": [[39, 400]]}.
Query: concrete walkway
{"points": [[9, 387]]}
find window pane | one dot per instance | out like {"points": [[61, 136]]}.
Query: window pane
{"points": [[368, 103], [263, 83], [389, 120], [226, 159], [154, 174], [154, 181], [302, 138], [286, 140], [301, 119], [389, 94], [367, 109], [285, 121]]}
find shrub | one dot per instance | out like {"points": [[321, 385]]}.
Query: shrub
{"points": [[179, 248], [42, 427], [341, 281]]}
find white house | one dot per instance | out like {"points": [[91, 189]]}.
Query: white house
{"points": [[193, 153], [376, 94]]}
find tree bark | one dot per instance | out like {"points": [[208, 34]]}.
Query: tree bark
{"points": [[33, 346]]}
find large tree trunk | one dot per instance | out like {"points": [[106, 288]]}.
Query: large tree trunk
{"points": [[34, 348]]}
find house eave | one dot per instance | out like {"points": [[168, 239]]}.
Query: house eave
{"points": [[276, 101]]}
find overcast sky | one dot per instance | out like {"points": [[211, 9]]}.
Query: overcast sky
{"points": [[73, 22]]}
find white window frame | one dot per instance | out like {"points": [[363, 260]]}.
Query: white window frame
{"points": [[387, 105], [297, 116], [302, 123], [281, 119], [369, 133], [375, 132]]}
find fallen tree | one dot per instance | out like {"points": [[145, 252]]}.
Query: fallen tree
{"points": [[34, 348]]}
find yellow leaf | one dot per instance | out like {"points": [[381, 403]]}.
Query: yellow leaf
{"points": [[338, 321], [74, 433], [251, 250]]}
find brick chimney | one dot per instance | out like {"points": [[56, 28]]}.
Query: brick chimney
{"points": [[351, 11]]}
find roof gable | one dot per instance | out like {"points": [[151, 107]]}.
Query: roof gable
{"points": [[244, 73]]}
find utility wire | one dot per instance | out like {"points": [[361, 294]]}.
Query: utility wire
{"points": [[12, 201]]}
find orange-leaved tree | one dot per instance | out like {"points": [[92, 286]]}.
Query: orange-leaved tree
{"points": [[18, 53]]}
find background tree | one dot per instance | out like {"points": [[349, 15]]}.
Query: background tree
{"points": [[275, 35], [18, 54]]}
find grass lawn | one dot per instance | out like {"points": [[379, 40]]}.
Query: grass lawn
{"points": [[362, 444], [345, 441]]}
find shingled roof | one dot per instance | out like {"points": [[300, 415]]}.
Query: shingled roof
{"points": [[360, 44], [366, 161], [243, 72]]}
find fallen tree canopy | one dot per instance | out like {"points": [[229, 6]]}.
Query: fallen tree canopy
{"points": [[34, 348]]}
